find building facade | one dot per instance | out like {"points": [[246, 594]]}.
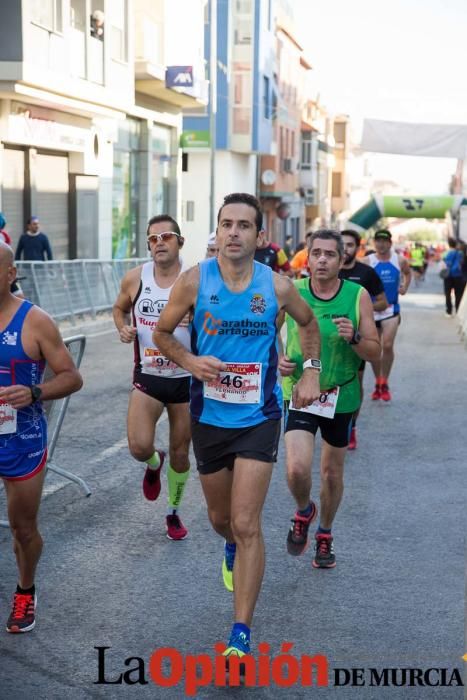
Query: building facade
{"points": [[89, 129]]}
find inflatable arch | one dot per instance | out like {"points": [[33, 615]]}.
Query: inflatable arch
{"points": [[405, 207]]}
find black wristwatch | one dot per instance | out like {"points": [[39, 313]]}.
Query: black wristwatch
{"points": [[356, 337], [36, 393]]}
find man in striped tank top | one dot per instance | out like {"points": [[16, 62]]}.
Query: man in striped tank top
{"points": [[158, 383], [28, 340], [235, 399]]}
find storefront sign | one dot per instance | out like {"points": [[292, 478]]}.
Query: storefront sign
{"points": [[179, 76], [25, 129], [195, 139]]}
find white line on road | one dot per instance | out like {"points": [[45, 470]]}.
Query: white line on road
{"points": [[113, 449]]}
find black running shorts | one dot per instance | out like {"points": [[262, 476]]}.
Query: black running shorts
{"points": [[382, 320], [216, 448], [167, 390], [336, 431]]}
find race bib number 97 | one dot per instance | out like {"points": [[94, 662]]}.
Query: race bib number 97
{"points": [[240, 383], [155, 363]]}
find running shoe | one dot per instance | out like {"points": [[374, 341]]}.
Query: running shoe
{"points": [[175, 528], [385, 393], [376, 395], [324, 555], [227, 569], [238, 647], [297, 538], [23, 613], [152, 479], [353, 439]]}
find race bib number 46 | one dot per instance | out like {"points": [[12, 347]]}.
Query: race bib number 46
{"points": [[7, 418], [154, 362], [240, 383], [325, 406]]}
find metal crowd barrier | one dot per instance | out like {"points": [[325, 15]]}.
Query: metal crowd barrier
{"points": [[55, 412], [462, 318], [70, 288]]}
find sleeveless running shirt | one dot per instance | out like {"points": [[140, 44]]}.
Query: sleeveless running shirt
{"points": [[389, 272], [239, 328], [22, 431], [339, 362], [147, 308]]}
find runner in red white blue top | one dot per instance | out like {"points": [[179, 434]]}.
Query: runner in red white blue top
{"points": [[158, 383], [28, 339]]}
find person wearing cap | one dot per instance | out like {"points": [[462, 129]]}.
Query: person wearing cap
{"points": [[365, 276], [395, 274], [211, 248], [157, 382], [34, 244]]}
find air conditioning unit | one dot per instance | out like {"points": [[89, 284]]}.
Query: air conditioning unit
{"points": [[287, 165], [309, 197]]}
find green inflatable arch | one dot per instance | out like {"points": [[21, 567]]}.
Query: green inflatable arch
{"points": [[409, 207]]}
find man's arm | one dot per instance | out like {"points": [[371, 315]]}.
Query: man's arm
{"points": [[44, 334], [307, 388], [47, 248], [376, 289], [181, 301], [19, 248], [122, 306], [406, 273], [369, 347]]}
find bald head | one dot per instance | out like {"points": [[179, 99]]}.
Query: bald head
{"points": [[6, 254]]}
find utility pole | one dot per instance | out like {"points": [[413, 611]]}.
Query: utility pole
{"points": [[212, 111]]}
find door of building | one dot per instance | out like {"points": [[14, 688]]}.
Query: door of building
{"points": [[51, 172], [86, 212], [13, 192]]}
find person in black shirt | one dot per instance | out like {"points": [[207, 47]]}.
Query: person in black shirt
{"points": [[362, 274], [34, 244]]}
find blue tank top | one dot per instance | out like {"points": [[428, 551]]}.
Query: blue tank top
{"points": [[390, 274], [239, 328], [18, 368]]}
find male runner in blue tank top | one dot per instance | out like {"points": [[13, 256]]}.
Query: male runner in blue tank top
{"points": [[235, 398], [394, 271], [28, 340]]}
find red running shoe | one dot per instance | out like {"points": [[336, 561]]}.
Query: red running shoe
{"points": [[152, 479], [385, 393], [297, 537], [175, 528], [376, 395], [324, 555], [23, 613], [353, 439]]}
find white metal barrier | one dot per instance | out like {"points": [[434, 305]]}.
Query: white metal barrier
{"points": [[55, 412], [70, 288]]}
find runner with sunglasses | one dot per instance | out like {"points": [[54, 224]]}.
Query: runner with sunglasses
{"points": [[157, 382]]}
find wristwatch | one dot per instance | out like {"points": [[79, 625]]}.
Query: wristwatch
{"points": [[312, 364], [356, 337], [36, 393]]}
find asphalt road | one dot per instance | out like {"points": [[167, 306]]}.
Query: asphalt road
{"points": [[109, 576]]}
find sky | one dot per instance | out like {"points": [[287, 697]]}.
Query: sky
{"points": [[400, 60]]}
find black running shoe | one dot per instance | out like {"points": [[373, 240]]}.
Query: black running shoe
{"points": [[297, 538], [324, 555]]}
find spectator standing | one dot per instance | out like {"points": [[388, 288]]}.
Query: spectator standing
{"points": [[454, 281], [34, 244]]}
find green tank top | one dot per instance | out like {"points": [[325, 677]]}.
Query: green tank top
{"points": [[340, 363], [417, 257]]}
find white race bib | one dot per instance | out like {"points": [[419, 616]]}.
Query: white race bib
{"points": [[8, 416], [325, 406], [154, 362], [240, 383], [387, 313]]}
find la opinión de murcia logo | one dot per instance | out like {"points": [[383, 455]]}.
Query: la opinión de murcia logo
{"points": [[167, 668]]}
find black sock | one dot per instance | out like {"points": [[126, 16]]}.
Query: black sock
{"points": [[30, 591]]}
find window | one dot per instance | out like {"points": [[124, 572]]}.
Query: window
{"points": [[242, 34], [336, 184], [47, 13], [292, 144], [190, 210], [184, 162], [267, 108], [306, 151], [119, 50], [339, 132]]}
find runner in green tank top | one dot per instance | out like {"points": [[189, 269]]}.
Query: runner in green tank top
{"points": [[348, 335]]}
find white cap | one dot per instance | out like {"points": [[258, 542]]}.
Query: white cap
{"points": [[212, 238]]}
